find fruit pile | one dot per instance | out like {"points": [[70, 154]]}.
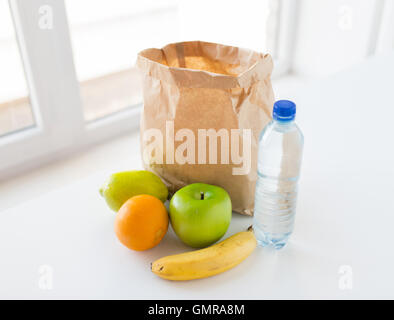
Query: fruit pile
{"points": [[200, 215]]}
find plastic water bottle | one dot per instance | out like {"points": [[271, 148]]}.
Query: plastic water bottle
{"points": [[279, 161]]}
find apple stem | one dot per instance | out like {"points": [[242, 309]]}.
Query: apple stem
{"points": [[202, 195]]}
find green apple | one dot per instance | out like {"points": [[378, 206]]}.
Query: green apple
{"points": [[200, 214]]}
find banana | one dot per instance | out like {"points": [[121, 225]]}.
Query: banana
{"points": [[206, 262]]}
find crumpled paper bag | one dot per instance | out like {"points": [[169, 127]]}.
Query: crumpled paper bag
{"points": [[190, 87]]}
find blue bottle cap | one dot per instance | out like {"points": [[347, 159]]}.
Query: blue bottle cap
{"points": [[284, 110]]}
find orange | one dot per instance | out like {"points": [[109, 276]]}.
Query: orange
{"points": [[141, 222]]}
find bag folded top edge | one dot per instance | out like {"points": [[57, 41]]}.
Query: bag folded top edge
{"points": [[199, 64]]}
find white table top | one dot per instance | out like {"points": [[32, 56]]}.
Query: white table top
{"points": [[345, 217]]}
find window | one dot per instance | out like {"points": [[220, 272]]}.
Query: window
{"points": [[106, 41], [79, 57], [67, 76], [15, 109]]}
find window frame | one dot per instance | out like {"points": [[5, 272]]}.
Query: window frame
{"points": [[286, 32], [60, 127], [59, 122], [382, 40]]}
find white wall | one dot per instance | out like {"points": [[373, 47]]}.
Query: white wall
{"points": [[333, 35]]}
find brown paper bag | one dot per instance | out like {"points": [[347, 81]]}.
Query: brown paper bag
{"points": [[194, 87]]}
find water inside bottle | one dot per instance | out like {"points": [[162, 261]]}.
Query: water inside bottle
{"points": [[279, 161]]}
